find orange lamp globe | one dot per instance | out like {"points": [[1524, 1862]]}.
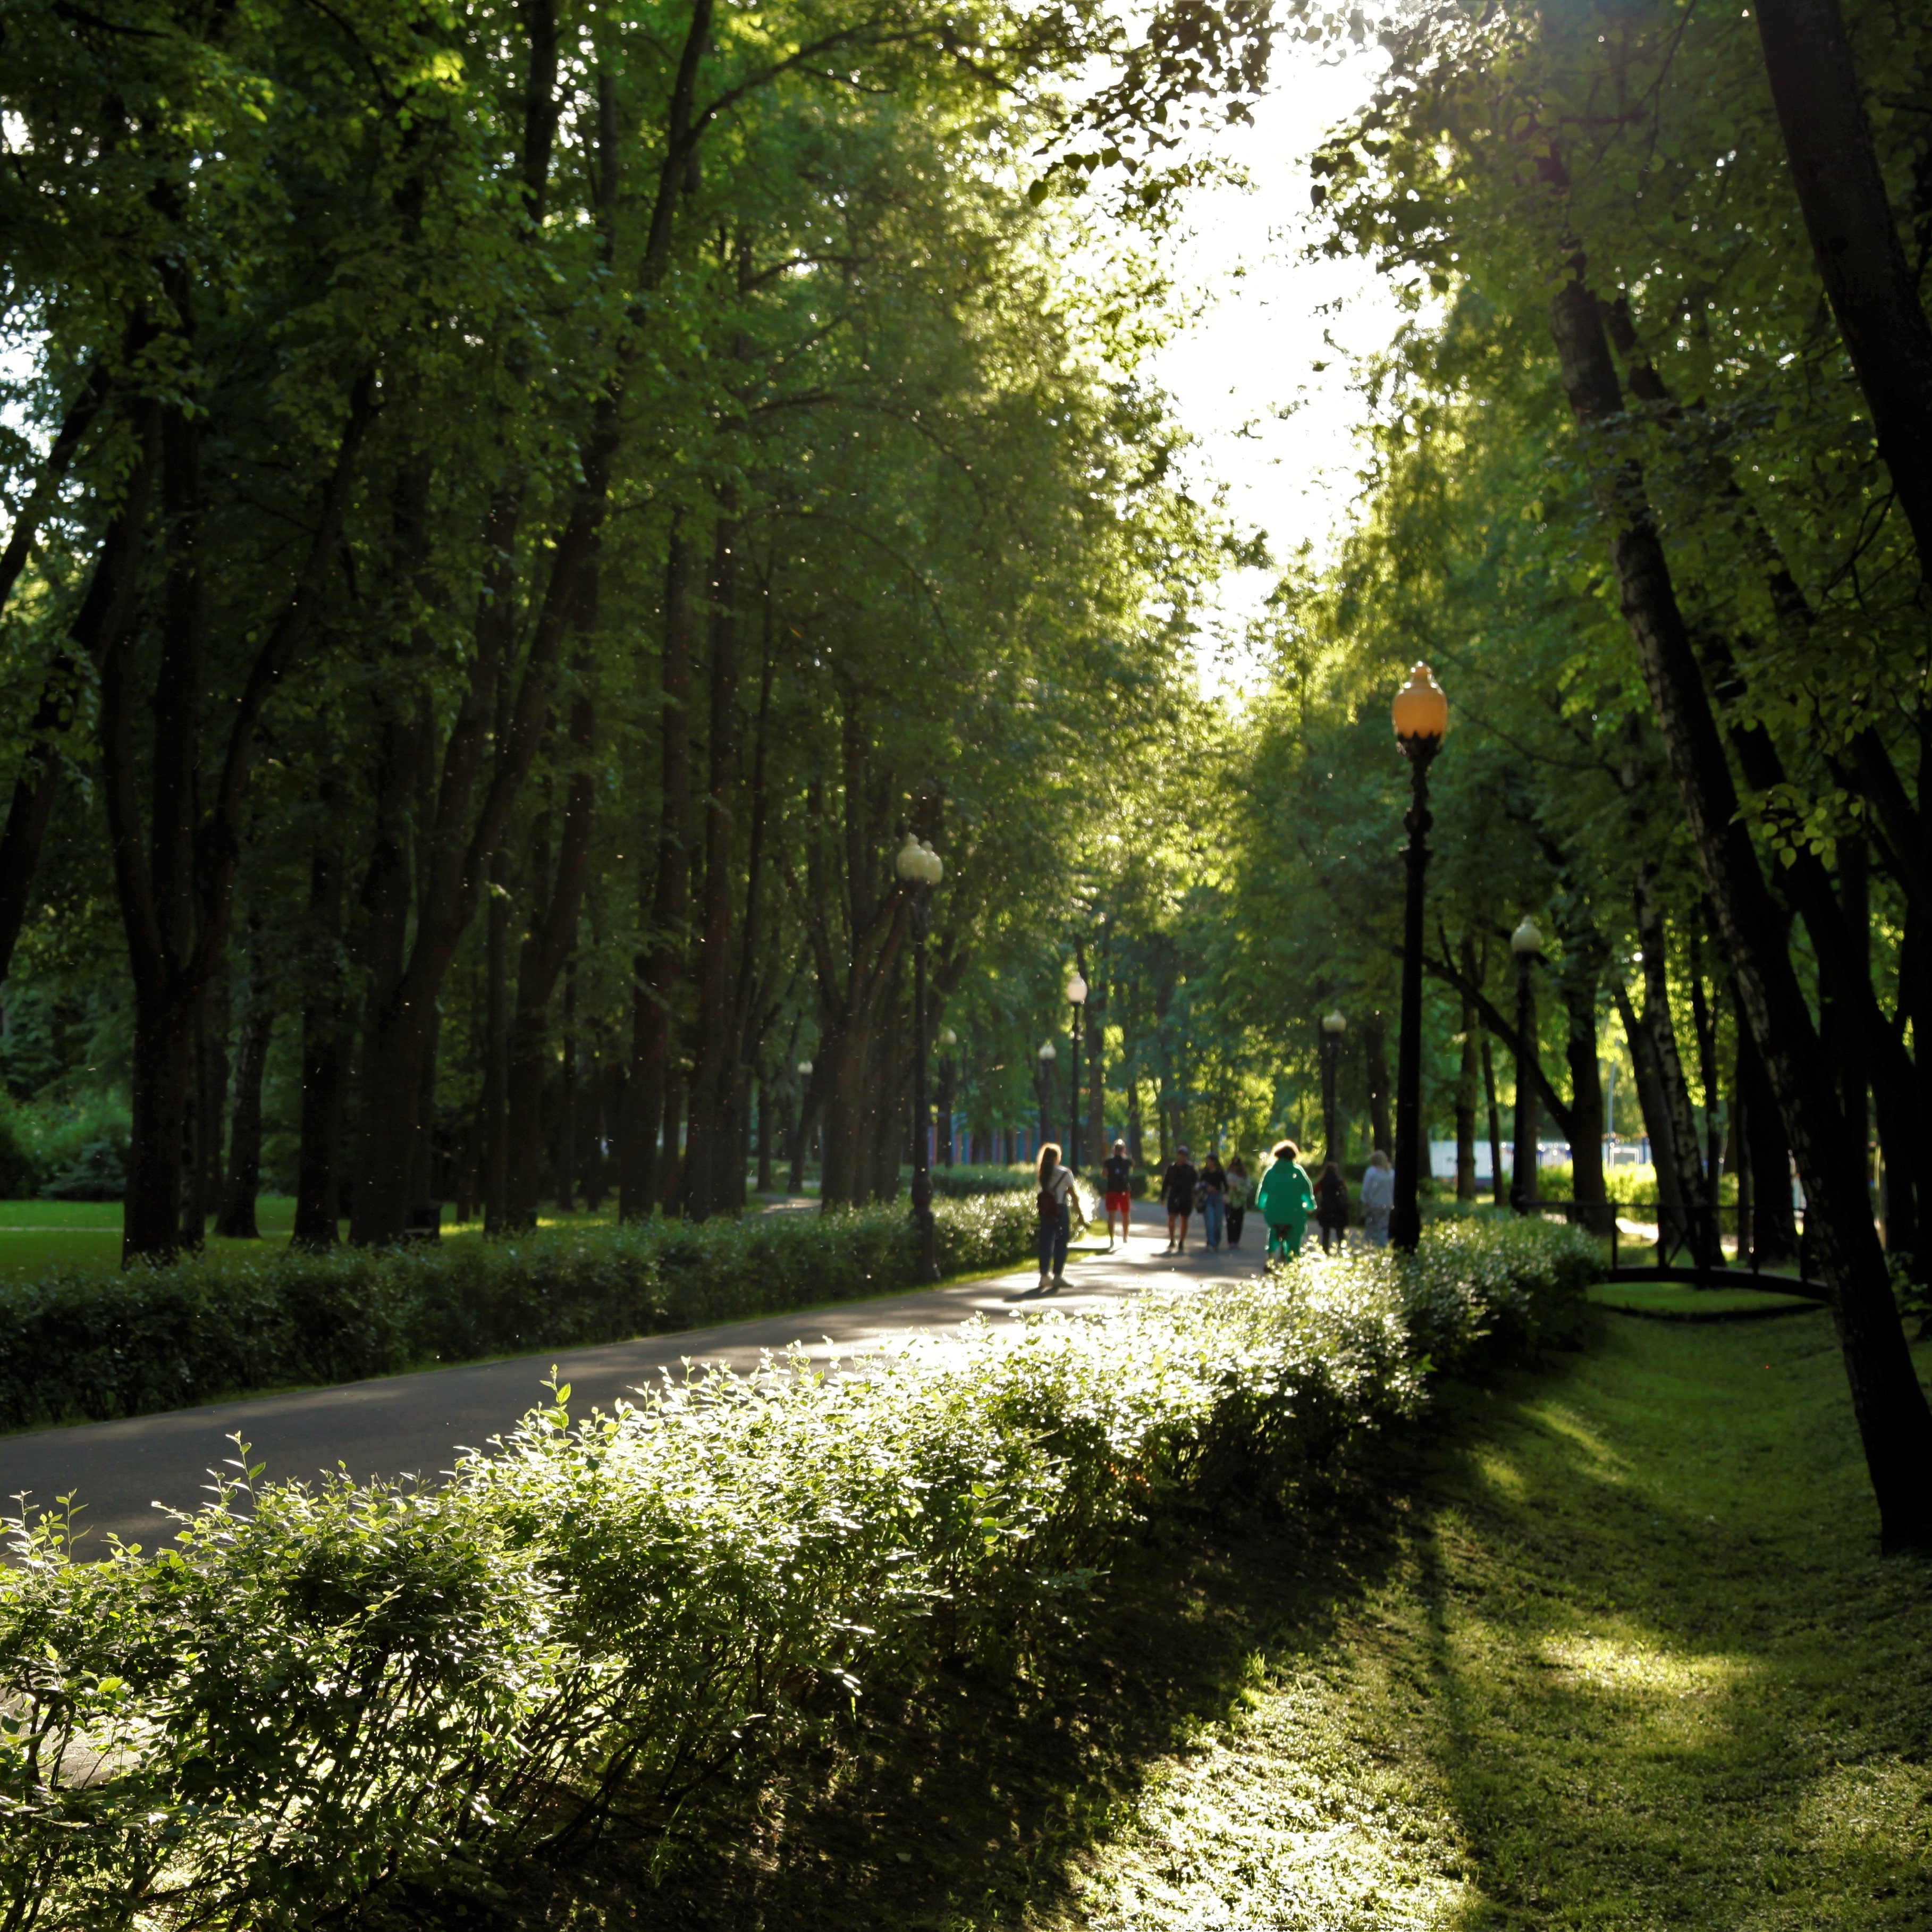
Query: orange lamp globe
{"points": [[1420, 710]]}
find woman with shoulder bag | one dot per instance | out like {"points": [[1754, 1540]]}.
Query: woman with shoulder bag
{"points": [[1056, 1217]]}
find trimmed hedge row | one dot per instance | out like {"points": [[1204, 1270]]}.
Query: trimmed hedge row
{"points": [[75, 1344], [586, 1668]]}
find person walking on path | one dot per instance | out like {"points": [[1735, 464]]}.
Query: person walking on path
{"points": [[1285, 1201], [1056, 1217], [1331, 1207], [1177, 1190], [1378, 1197], [1116, 1179], [1211, 1191], [1241, 1191]]}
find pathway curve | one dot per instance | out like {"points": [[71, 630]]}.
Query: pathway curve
{"points": [[122, 1471]]}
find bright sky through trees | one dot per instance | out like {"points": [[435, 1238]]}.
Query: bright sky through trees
{"points": [[1265, 379]]}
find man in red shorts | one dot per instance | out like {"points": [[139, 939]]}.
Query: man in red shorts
{"points": [[1117, 1173]]}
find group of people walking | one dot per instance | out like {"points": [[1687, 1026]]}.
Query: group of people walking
{"points": [[1221, 1195]]}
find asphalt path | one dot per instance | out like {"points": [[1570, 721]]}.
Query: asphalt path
{"points": [[123, 1473]]}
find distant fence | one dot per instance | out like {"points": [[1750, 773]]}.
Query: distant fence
{"points": [[1696, 1234]]}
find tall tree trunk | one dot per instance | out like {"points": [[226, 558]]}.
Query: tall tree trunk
{"points": [[551, 942], [715, 1039], [1653, 1106], [660, 963], [1861, 257], [1704, 1018], [493, 1118], [1499, 1181], [1374, 1053], [1773, 1225], [1577, 984], [208, 1106], [236, 1221], [1469, 1087], [1694, 1226], [566, 1099], [1894, 1421], [328, 1042]]}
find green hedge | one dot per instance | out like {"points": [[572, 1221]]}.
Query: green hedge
{"points": [[76, 1345], [962, 1182], [580, 1671]]}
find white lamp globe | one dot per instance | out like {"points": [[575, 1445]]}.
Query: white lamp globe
{"points": [[1526, 939], [1076, 991]]}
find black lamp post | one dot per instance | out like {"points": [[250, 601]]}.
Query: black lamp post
{"points": [[1076, 998], [1421, 715], [921, 868], [1333, 1026], [1048, 1053], [1525, 943]]}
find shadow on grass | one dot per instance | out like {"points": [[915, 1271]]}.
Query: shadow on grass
{"points": [[972, 1801], [1610, 1636]]}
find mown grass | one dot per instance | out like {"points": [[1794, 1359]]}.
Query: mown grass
{"points": [[1668, 1299], [1604, 1646]]}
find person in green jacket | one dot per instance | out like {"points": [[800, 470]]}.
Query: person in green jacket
{"points": [[1285, 1200]]}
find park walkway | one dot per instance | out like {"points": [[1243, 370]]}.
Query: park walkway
{"points": [[417, 1424]]}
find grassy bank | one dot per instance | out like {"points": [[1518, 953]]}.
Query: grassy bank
{"points": [[1615, 1652]]}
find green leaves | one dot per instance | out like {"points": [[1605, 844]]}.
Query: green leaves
{"points": [[629, 1636]]}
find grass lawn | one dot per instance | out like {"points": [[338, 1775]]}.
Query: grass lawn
{"points": [[1680, 1301], [1606, 1646], [37, 1236]]}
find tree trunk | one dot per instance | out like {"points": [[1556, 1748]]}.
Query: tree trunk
{"points": [[1375, 1056], [660, 963], [1693, 1225], [327, 1042], [1498, 1184], [1704, 1018], [1651, 1104], [1469, 1086], [1774, 1230], [1894, 1421], [566, 1098], [550, 941], [714, 1074], [1861, 260], [1578, 983], [493, 1115], [237, 1220]]}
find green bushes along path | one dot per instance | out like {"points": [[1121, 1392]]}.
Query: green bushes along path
{"points": [[78, 1344], [589, 1660]]}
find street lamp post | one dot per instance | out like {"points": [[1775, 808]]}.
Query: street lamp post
{"points": [[921, 868], [1076, 998], [1333, 1026], [1525, 943], [1048, 1055], [1420, 713]]}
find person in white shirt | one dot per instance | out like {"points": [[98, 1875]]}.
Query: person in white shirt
{"points": [[1378, 1197]]}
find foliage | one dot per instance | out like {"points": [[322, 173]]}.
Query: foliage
{"points": [[73, 1344], [962, 1181], [338, 1700]]}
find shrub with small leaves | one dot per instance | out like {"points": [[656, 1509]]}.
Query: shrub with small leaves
{"points": [[593, 1654], [76, 1345]]}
